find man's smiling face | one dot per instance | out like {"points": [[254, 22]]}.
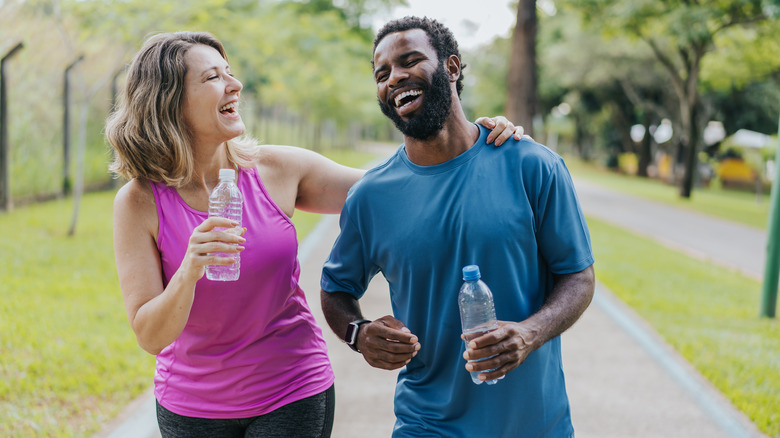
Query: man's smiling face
{"points": [[413, 88]]}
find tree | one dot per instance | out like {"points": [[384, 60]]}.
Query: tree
{"points": [[522, 77], [88, 92], [680, 34], [608, 86], [354, 12]]}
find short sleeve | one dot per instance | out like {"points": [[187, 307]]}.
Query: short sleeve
{"points": [[563, 236], [348, 268]]}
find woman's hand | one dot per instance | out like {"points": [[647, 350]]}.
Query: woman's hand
{"points": [[502, 129], [214, 235]]}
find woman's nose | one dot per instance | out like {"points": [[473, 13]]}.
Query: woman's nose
{"points": [[234, 85]]}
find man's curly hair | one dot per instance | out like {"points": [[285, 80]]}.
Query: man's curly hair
{"points": [[440, 37]]}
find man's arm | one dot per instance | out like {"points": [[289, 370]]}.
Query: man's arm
{"points": [[512, 342], [385, 343]]}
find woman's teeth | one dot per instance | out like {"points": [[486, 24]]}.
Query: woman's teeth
{"points": [[229, 107]]}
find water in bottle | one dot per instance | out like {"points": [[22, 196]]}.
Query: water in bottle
{"points": [[226, 201], [477, 312]]}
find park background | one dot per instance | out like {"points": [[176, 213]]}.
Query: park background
{"points": [[673, 100]]}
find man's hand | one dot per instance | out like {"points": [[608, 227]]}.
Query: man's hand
{"points": [[510, 343], [387, 343]]}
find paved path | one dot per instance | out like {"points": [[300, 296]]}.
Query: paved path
{"points": [[725, 243], [623, 380]]}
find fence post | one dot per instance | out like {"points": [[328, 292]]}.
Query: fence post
{"points": [[66, 183], [5, 185], [114, 98], [115, 87]]}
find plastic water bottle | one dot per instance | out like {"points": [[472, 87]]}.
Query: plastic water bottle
{"points": [[226, 201], [477, 312]]}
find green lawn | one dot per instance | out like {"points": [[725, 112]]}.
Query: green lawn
{"points": [[69, 358]]}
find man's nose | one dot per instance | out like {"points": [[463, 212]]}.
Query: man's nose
{"points": [[397, 77]]}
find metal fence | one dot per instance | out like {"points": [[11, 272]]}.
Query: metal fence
{"points": [[35, 166]]}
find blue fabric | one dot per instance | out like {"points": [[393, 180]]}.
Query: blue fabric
{"points": [[511, 210]]}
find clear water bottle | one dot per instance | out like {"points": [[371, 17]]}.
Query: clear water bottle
{"points": [[226, 201], [477, 312]]}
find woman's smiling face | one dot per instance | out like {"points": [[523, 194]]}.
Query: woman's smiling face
{"points": [[210, 104]]}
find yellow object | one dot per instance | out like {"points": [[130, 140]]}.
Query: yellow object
{"points": [[628, 163], [665, 168], [735, 171]]}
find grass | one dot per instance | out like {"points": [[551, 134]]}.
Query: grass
{"points": [[737, 206], [707, 313], [70, 361]]}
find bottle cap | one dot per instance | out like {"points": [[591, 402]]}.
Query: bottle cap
{"points": [[227, 174], [471, 272]]}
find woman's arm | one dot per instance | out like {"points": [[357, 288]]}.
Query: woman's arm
{"points": [[158, 316], [303, 179]]}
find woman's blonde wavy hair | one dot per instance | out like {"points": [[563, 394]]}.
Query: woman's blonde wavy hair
{"points": [[147, 129]]}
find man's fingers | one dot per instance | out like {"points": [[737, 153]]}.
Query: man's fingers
{"points": [[387, 365], [490, 338], [389, 354], [382, 345], [389, 328]]}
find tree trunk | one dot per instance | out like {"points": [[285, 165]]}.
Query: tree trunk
{"points": [[78, 191], [521, 83], [645, 150], [581, 137], [691, 153], [691, 133]]}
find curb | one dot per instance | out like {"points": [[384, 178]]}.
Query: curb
{"points": [[709, 399]]}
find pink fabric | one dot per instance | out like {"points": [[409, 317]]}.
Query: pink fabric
{"points": [[252, 345]]}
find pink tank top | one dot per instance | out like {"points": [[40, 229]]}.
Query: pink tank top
{"points": [[249, 346]]}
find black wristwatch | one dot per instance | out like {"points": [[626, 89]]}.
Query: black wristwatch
{"points": [[352, 333]]}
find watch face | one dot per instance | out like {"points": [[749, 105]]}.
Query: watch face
{"points": [[351, 333]]}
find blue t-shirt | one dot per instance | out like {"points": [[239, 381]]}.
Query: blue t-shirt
{"points": [[511, 210]]}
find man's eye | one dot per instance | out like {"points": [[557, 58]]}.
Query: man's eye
{"points": [[213, 77]]}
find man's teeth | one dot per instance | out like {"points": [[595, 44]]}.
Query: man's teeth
{"points": [[406, 94], [229, 106]]}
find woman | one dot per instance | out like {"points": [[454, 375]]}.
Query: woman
{"points": [[243, 358]]}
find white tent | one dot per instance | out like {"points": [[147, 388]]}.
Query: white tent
{"points": [[750, 139]]}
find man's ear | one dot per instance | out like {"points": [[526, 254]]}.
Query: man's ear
{"points": [[452, 64]]}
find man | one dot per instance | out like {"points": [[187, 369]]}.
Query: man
{"points": [[443, 201]]}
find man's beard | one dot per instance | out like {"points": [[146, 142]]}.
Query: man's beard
{"points": [[429, 120]]}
